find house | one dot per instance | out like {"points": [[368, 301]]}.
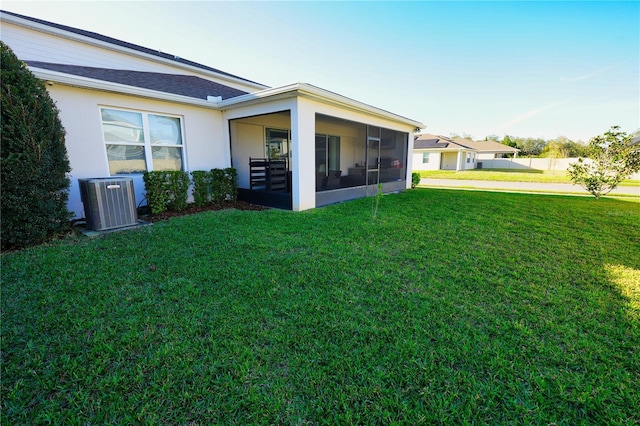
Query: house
{"points": [[431, 152], [129, 109]]}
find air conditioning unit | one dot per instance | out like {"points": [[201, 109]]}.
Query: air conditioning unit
{"points": [[108, 202]]}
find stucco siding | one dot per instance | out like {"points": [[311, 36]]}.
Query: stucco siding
{"points": [[80, 115], [448, 160], [248, 143], [433, 164]]}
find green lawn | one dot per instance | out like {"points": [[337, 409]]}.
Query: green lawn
{"points": [[508, 175], [451, 307]]}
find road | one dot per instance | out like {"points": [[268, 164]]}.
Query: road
{"points": [[564, 188]]}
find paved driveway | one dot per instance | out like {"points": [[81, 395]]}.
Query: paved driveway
{"points": [[521, 186]]}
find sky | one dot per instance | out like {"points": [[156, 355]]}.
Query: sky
{"points": [[539, 69]]}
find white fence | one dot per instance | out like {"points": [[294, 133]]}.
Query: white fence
{"points": [[547, 164]]}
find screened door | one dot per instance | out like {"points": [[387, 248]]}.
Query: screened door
{"points": [[373, 165]]}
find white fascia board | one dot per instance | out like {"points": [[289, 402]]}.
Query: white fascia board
{"points": [[436, 149], [90, 83], [315, 93], [131, 52]]}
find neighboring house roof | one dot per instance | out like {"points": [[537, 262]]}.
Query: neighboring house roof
{"points": [[443, 143], [486, 146], [429, 143], [124, 44], [185, 85]]}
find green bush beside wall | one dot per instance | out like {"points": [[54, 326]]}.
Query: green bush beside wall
{"points": [[34, 163], [169, 190]]}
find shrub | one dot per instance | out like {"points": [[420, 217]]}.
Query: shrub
{"points": [[157, 192], [218, 189], [34, 163], [178, 183], [224, 185], [415, 179], [166, 190], [201, 187], [231, 179]]}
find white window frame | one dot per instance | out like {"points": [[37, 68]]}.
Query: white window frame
{"points": [[148, 152], [425, 156]]}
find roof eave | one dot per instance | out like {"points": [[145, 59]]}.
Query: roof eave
{"points": [[132, 52], [107, 86]]}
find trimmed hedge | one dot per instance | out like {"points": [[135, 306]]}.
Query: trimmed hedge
{"points": [[34, 163], [201, 187], [168, 190], [224, 185]]}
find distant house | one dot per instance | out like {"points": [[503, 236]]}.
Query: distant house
{"points": [[128, 109], [431, 152]]}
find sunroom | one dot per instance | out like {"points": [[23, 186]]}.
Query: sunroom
{"points": [[300, 149]]}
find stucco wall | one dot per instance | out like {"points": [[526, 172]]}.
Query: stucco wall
{"points": [[80, 114], [449, 160], [433, 164]]}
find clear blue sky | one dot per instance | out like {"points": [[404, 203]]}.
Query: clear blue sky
{"points": [[529, 69]]}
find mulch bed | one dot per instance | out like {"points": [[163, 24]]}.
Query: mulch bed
{"points": [[192, 209]]}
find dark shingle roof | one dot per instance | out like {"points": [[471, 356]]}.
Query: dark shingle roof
{"points": [[125, 44], [186, 85], [428, 143]]}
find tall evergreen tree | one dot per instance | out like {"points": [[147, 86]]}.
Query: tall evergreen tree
{"points": [[34, 163]]}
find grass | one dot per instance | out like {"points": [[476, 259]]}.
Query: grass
{"points": [[509, 175], [451, 307]]}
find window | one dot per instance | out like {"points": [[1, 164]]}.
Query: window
{"points": [[132, 137], [328, 173], [425, 158], [277, 144], [468, 157], [327, 153]]}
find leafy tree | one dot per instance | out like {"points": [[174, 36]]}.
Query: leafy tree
{"points": [[530, 147], [34, 162], [563, 147], [613, 159], [509, 142]]}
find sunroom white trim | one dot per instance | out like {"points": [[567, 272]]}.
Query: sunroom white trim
{"points": [[315, 93]]}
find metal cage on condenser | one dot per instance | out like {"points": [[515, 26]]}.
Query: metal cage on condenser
{"points": [[109, 203]]}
